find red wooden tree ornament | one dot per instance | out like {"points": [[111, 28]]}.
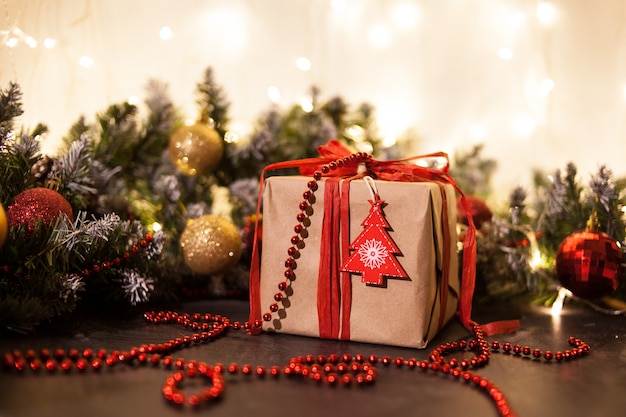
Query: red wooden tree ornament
{"points": [[375, 252]]}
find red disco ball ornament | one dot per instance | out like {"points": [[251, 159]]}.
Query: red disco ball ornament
{"points": [[588, 263]]}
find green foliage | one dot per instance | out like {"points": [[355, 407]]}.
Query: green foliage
{"points": [[507, 257], [17, 157], [297, 132], [117, 175], [11, 106], [212, 103]]}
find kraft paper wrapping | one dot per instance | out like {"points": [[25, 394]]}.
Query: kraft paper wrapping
{"points": [[405, 312]]}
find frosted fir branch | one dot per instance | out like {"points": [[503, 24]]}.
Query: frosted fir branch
{"points": [[85, 231], [516, 203], [518, 197], [72, 283], [28, 146], [155, 248], [557, 197], [260, 144], [10, 105], [603, 188], [159, 105], [246, 190], [75, 166], [169, 186], [136, 287], [195, 210], [101, 174]]}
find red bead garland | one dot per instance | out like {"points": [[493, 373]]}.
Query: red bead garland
{"points": [[333, 369], [100, 266], [300, 228], [345, 370]]}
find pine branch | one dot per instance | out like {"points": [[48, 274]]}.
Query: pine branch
{"points": [[72, 177], [10, 108], [605, 198], [212, 102], [16, 161], [117, 135]]}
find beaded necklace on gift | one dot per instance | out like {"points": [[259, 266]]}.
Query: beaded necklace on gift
{"points": [[333, 370]]}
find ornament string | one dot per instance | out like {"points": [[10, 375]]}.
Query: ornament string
{"points": [[346, 369]]}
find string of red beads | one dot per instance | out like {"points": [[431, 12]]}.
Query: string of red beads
{"points": [[333, 369], [100, 266], [301, 229]]}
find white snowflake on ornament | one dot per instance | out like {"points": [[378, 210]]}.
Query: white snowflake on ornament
{"points": [[373, 254]]}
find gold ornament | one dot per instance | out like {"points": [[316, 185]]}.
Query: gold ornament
{"points": [[210, 244], [196, 149], [4, 225]]}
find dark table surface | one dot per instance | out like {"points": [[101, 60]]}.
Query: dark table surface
{"points": [[594, 385]]}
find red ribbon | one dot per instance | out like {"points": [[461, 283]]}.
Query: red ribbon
{"points": [[392, 170]]}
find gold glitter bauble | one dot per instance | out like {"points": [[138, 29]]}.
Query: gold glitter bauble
{"points": [[210, 244], [4, 225], [196, 149]]}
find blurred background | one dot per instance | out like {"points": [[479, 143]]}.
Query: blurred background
{"points": [[538, 84]]}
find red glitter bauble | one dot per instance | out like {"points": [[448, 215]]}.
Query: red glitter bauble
{"points": [[588, 264], [37, 205]]}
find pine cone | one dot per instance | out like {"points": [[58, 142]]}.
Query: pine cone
{"points": [[41, 169]]}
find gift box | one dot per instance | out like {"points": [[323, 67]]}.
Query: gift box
{"points": [[403, 308]]}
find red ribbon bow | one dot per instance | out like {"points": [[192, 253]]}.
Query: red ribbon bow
{"points": [[391, 170]]}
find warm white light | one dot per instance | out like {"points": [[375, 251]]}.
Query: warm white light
{"points": [[156, 227], [405, 15], [307, 104], [229, 22], [516, 19], [477, 132], [364, 147], [389, 141], [274, 94], [523, 124], [505, 53], [12, 42], [86, 61], [166, 33], [30, 41], [303, 64], [49, 43], [535, 260], [395, 116], [557, 306], [231, 137], [546, 13], [546, 87], [338, 4], [133, 100], [356, 132], [379, 36]]}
